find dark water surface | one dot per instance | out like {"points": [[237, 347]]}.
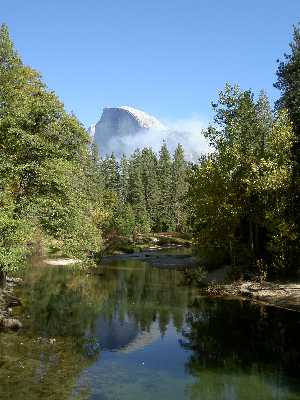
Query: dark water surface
{"points": [[137, 334]]}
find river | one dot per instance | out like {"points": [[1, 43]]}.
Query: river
{"points": [[137, 333]]}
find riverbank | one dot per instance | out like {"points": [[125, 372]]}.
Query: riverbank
{"points": [[120, 245], [217, 282], [158, 256], [281, 295]]}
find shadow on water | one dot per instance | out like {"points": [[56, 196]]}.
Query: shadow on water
{"points": [[137, 333]]}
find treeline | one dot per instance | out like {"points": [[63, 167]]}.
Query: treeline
{"points": [[244, 197], [144, 192], [241, 201]]}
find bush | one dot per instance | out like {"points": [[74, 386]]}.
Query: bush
{"points": [[194, 276]]}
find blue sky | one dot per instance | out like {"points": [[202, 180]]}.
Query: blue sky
{"points": [[167, 57]]}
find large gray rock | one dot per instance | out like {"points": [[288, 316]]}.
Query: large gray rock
{"points": [[10, 323], [121, 130], [119, 125]]}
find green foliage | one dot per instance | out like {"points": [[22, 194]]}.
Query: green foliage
{"points": [[288, 83], [179, 189], [261, 271], [136, 194], [194, 276], [151, 189], [144, 193], [44, 166], [14, 234], [239, 194], [56, 181], [165, 212], [242, 199]]}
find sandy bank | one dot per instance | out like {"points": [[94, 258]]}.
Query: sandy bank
{"points": [[61, 261]]}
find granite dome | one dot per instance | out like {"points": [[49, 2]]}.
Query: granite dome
{"points": [[121, 122]]}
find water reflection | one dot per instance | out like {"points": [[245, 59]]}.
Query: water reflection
{"points": [[236, 346], [136, 332]]}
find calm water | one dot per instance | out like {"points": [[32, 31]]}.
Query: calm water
{"points": [[136, 333]]}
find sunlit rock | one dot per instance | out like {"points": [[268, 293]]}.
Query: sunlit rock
{"points": [[119, 125]]}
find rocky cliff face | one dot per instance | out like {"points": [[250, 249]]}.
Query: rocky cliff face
{"points": [[119, 125]]}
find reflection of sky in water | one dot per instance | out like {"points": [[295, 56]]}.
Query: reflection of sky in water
{"points": [[140, 370], [157, 371], [115, 333]]}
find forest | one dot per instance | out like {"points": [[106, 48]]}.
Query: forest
{"points": [[239, 203]]}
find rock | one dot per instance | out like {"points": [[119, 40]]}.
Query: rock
{"points": [[285, 295], [119, 123], [10, 323], [12, 301], [13, 280], [61, 261]]}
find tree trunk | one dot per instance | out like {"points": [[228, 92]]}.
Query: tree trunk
{"points": [[251, 237], [2, 278]]}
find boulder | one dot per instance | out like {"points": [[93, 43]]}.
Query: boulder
{"points": [[10, 323]]}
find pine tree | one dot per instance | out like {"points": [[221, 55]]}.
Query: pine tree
{"points": [[180, 187], [165, 205], [136, 194], [265, 119], [94, 173], [124, 178], [150, 183], [111, 175], [288, 82]]}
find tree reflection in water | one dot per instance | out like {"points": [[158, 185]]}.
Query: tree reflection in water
{"points": [[235, 344]]}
